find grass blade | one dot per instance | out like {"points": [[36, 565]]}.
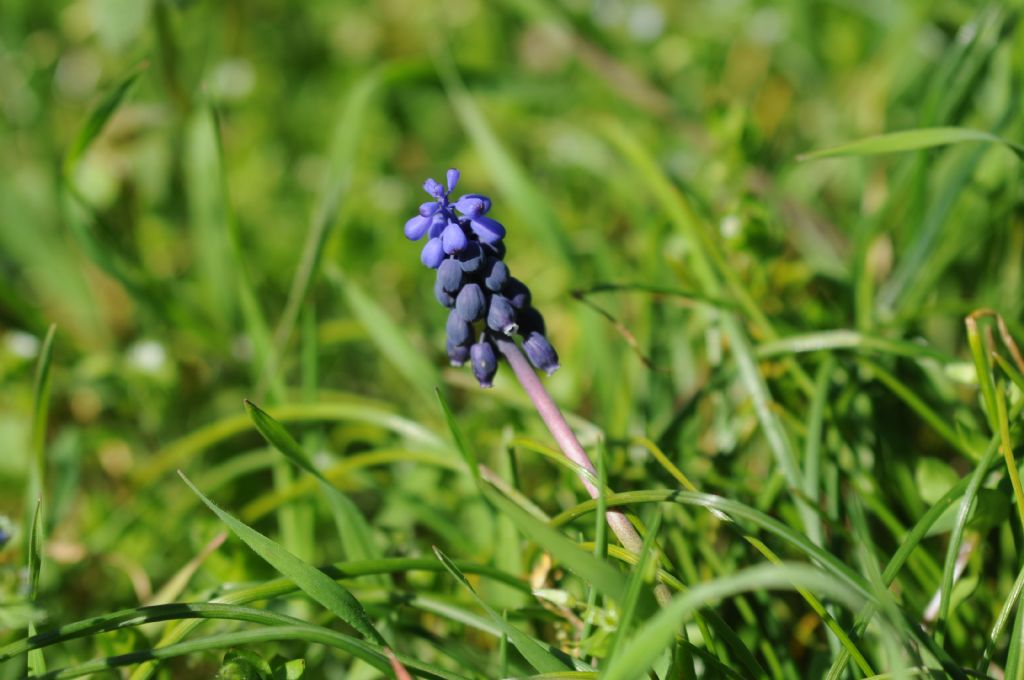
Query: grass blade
{"points": [[98, 119], [648, 557], [36, 662], [598, 573], [311, 580], [658, 634], [356, 534], [911, 140], [540, 658]]}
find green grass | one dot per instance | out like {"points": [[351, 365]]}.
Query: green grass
{"points": [[778, 246]]}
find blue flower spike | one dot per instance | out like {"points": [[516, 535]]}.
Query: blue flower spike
{"points": [[467, 249]]}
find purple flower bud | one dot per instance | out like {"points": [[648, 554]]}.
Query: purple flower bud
{"points": [[486, 229], [471, 303], [473, 205], [453, 179], [443, 296], [449, 275], [432, 254], [453, 238], [429, 208], [459, 332], [457, 354], [471, 257], [530, 321], [517, 293], [415, 227], [433, 188], [501, 316], [484, 362], [540, 353], [497, 277]]}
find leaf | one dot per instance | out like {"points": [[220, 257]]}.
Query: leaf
{"points": [[356, 534], [648, 555], [598, 573], [658, 634], [910, 140], [934, 478], [98, 119], [311, 580], [36, 662], [468, 454], [537, 656]]}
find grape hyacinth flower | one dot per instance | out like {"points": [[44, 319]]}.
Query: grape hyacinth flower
{"points": [[466, 248], [487, 308]]}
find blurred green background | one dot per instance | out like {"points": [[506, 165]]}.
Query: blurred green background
{"points": [[234, 230]]}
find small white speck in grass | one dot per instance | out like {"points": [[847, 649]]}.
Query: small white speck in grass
{"points": [[730, 227], [646, 22], [148, 356], [231, 80], [22, 344]]}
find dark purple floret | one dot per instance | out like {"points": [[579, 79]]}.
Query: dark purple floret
{"points": [[530, 321], [449, 276], [501, 316], [540, 353], [458, 355], [471, 303], [517, 293], [467, 249], [472, 257], [484, 362], [444, 297], [497, 277], [458, 330]]}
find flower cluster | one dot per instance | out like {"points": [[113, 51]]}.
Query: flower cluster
{"points": [[466, 248]]}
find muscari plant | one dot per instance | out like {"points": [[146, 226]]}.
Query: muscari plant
{"points": [[467, 249]]}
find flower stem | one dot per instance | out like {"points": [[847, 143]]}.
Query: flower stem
{"points": [[565, 438]]}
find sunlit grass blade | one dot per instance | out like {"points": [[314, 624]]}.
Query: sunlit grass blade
{"points": [[737, 512], [819, 609], [356, 534], [36, 661], [637, 581], [311, 580], [845, 338], [597, 573], [461, 445], [539, 657], [911, 140], [658, 634], [356, 409], [98, 119], [774, 431], [368, 652], [341, 473]]}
